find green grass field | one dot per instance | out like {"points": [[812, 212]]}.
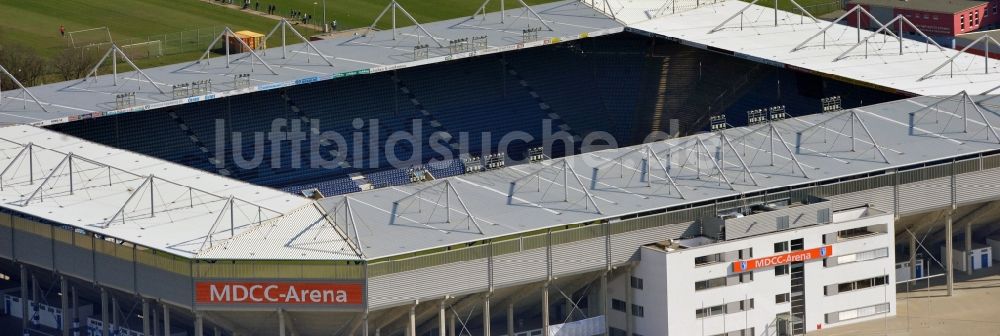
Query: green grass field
{"points": [[361, 13], [815, 7], [185, 27], [36, 23]]}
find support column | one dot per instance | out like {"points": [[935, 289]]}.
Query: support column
{"points": [[114, 315], [604, 302], [968, 245], [913, 257], [76, 311], [486, 315], [451, 325], [166, 318], [153, 315], [145, 317], [24, 297], [442, 327], [105, 323], [411, 327], [545, 309], [281, 323], [510, 318], [35, 299], [364, 325], [949, 260], [64, 304], [199, 324]]}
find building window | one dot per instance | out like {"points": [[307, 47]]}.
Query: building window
{"points": [[782, 298], [638, 311], [636, 283], [851, 314], [710, 311], [782, 270], [855, 285], [728, 308], [798, 244], [744, 332], [781, 247], [617, 332], [854, 233], [734, 279], [856, 257], [618, 305], [710, 283], [708, 259], [722, 257]]}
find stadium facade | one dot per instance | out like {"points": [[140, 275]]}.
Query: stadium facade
{"points": [[128, 220]]}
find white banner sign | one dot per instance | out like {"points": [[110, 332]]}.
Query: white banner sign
{"points": [[586, 327]]}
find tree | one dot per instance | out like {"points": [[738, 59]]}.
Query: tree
{"points": [[72, 63], [22, 62]]}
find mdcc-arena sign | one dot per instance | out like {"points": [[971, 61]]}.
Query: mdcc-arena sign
{"points": [[740, 266], [278, 293]]}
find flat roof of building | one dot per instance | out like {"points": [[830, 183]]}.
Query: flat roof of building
{"points": [[936, 6], [299, 64], [921, 69]]}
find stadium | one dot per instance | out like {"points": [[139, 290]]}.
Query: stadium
{"points": [[528, 171]]}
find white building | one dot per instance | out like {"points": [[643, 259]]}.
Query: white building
{"points": [[799, 275], [979, 257]]}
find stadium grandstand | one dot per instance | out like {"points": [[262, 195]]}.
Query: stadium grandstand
{"points": [[363, 185]]}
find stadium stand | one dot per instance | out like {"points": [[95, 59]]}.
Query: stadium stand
{"points": [[596, 84]]}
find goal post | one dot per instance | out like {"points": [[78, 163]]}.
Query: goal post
{"points": [[141, 50], [85, 37]]}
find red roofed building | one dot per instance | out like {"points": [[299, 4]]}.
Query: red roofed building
{"points": [[936, 18]]}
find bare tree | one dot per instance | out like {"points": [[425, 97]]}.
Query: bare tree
{"points": [[22, 62], [72, 63]]}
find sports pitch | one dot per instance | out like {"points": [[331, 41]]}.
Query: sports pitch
{"points": [[36, 23]]}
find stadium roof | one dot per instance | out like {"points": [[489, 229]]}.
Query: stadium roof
{"points": [[797, 43], [350, 55], [155, 203], [937, 6], [403, 219], [200, 215]]}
